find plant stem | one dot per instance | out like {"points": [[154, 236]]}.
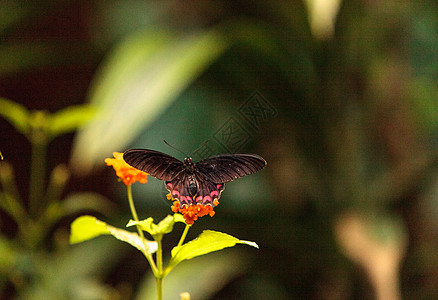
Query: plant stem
{"points": [[133, 211], [10, 197], [140, 232], [159, 281], [37, 172], [160, 268], [184, 234]]}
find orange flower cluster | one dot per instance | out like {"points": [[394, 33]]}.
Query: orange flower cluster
{"points": [[125, 172], [192, 212]]}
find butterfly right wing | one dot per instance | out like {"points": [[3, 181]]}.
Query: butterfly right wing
{"points": [[224, 168], [155, 163]]}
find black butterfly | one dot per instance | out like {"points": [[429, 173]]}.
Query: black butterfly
{"points": [[193, 183]]}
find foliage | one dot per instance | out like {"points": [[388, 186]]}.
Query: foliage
{"points": [[27, 261], [88, 227], [353, 142]]}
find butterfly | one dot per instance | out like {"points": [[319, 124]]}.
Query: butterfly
{"points": [[192, 183]]}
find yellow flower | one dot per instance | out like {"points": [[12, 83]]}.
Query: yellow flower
{"points": [[192, 212], [125, 172]]}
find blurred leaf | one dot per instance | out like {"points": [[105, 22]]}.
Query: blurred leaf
{"points": [[77, 273], [70, 119], [8, 255], [75, 203], [112, 18], [209, 273], [9, 196], [401, 179], [87, 227], [13, 12], [25, 55], [165, 225], [16, 114], [139, 80], [78, 202], [208, 241]]}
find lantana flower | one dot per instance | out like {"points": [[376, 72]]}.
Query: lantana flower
{"points": [[192, 212], [125, 172]]}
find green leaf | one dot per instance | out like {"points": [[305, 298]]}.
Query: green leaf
{"points": [[208, 241], [85, 228], [8, 255], [76, 203], [77, 272], [16, 114], [82, 201], [70, 119], [145, 225], [88, 227], [138, 82], [165, 226]]}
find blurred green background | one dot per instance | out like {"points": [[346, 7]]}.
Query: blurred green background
{"points": [[340, 98]]}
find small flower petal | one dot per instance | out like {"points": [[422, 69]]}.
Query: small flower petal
{"points": [[125, 172], [192, 212]]}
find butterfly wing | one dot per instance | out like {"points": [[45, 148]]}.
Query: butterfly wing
{"points": [[155, 163], [208, 191], [224, 168], [204, 183], [191, 189], [179, 189]]}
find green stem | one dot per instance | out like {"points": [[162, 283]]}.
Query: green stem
{"points": [[159, 281], [56, 184], [159, 257], [10, 198], [181, 241], [140, 232], [184, 234], [160, 275], [133, 211], [37, 173]]}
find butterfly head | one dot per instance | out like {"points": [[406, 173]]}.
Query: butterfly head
{"points": [[188, 161]]}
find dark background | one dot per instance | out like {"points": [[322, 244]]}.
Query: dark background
{"points": [[345, 115]]}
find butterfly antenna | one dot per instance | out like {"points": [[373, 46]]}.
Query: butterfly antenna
{"points": [[185, 155]]}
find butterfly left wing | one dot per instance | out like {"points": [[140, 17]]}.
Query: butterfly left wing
{"points": [[179, 189], [155, 163], [224, 168]]}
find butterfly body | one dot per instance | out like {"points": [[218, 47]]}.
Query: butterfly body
{"points": [[194, 183]]}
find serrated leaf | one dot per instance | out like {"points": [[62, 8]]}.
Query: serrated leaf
{"points": [[88, 227], [16, 114], [70, 119], [133, 239], [208, 241], [165, 226], [145, 225]]}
